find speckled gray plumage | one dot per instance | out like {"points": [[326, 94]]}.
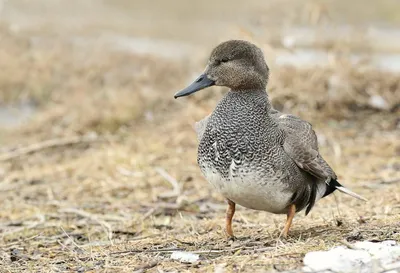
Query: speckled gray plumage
{"points": [[244, 129], [253, 154]]}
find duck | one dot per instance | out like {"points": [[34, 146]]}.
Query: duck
{"points": [[251, 153]]}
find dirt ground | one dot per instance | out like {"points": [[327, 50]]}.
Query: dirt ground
{"points": [[103, 177]]}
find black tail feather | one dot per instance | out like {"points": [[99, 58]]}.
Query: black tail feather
{"points": [[313, 196], [331, 187], [335, 185]]}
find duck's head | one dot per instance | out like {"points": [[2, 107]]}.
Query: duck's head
{"points": [[236, 64]]}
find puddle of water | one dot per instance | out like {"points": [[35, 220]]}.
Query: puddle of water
{"points": [[301, 58], [16, 114], [307, 58], [172, 30], [157, 47], [384, 39], [297, 56]]}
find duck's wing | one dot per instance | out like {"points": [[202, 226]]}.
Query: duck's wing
{"points": [[301, 144], [200, 127]]}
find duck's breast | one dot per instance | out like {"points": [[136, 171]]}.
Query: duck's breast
{"points": [[251, 189]]}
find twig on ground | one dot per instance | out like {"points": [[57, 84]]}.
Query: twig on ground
{"points": [[98, 243], [381, 181], [145, 237], [51, 143], [176, 190], [164, 250], [392, 267], [71, 239], [148, 213], [211, 251], [144, 267], [390, 181], [106, 243], [105, 225], [31, 226], [348, 244], [19, 241], [147, 251], [161, 205]]}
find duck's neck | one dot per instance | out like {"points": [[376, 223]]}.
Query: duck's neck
{"points": [[253, 96]]}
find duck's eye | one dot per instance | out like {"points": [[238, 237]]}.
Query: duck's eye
{"points": [[222, 61]]}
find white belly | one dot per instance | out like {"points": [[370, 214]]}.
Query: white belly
{"points": [[248, 191]]}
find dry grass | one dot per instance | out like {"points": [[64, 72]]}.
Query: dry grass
{"points": [[109, 206]]}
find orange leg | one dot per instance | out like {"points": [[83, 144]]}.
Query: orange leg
{"points": [[229, 215], [290, 215]]}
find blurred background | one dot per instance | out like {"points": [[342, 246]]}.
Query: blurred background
{"points": [[95, 152]]}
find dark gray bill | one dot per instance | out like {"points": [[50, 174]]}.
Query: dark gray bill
{"points": [[200, 83]]}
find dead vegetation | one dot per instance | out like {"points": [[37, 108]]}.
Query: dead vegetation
{"points": [[126, 202]]}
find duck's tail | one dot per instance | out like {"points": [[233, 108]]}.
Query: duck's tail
{"points": [[335, 185]]}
